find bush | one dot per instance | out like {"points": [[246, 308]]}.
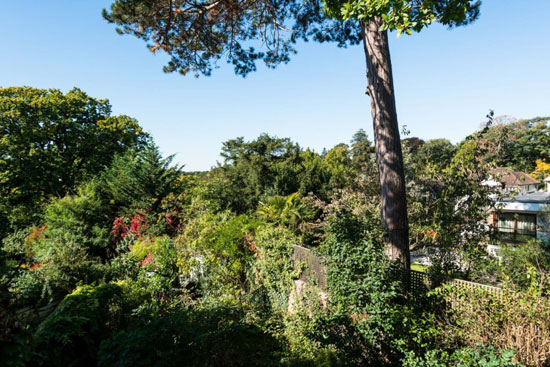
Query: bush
{"points": [[158, 273], [364, 293], [217, 248], [79, 219], [515, 321], [49, 267], [122, 267], [185, 337], [273, 299], [273, 269], [466, 357], [69, 249], [16, 285], [70, 336], [527, 266], [370, 318]]}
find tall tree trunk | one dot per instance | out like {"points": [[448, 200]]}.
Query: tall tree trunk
{"points": [[389, 156]]}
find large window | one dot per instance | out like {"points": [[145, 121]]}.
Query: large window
{"points": [[516, 227]]}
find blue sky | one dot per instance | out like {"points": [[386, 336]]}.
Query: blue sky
{"points": [[445, 81]]}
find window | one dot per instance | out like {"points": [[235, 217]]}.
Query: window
{"points": [[516, 227]]}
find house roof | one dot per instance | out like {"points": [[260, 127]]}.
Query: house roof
{"points": [[513, 178], [533, 197]]}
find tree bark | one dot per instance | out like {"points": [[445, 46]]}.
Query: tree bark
{"points": [[389, 156]]}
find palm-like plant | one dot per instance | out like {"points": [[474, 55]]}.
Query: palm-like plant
{"points": [[285, 210]]}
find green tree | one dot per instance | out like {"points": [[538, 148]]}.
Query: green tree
{"points": [[218, 246], [315, 175], [339, 165], [50, 142], [139, 179], [199, 34], [516, 145], [448, 208], [252, 170], [375, 19], [362, 152], [438, 152]]}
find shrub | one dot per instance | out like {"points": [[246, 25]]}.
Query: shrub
{"points": [[159, 271], [218, 247], [370, 318], [50, 267], [16, 287], [273, 269], [69, 249], [515, 321], [363, 290], [527, 266], [185, 337], [70, 336], [272, 275], [466, 357], [80, 219], [122, 267]]}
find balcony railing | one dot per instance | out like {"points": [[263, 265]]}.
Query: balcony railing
{"points": [[506, 234]]}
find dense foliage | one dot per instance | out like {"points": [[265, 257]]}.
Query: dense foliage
{"points": [[197, 36], [515, 144], [50, 142], [136, 263]]}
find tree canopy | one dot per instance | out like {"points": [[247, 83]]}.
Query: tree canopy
{"points": [[50, 142], [515, 144], [197, 34], [405, 15]]}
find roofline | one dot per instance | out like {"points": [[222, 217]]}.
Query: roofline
{"points": [[526, 201], [526, 184]]}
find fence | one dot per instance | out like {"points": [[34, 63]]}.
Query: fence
{"points": [[479, 313], [420, 280], [316, 272]]}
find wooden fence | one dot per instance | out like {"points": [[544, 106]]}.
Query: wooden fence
{"points": [[421, 280]]}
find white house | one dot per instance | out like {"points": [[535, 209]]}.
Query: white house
{"points": [[522, 217]]}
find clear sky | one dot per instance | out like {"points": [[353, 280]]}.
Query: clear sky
{"points": [[445, 81]]}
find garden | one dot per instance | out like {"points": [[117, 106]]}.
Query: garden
{"points": [[112, 255]]}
